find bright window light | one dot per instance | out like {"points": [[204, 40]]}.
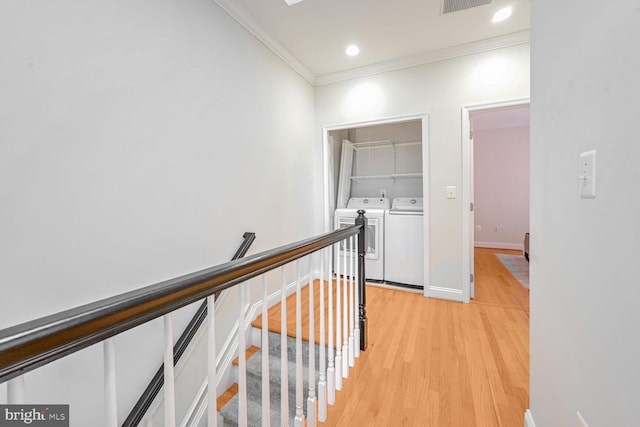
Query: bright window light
{"points": [[502, 14], [352, 50]]}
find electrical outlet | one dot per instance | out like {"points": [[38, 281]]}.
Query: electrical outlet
{"points": [[451, 192], [383, 193], [478, 228], [580, 422], [495, 228]]}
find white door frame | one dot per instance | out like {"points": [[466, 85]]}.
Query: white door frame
{"points": [[467, 186], [328, 224]]}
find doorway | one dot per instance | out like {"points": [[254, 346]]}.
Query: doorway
{"points": [[397, 177], [495, 158]]}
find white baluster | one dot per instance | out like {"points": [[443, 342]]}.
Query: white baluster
{"points": [[338, 325], [331, 370], [311, 400], [212, 377], [345, 319], [299, 420], [15, 391], [284, 380], [352, 360], [242, 362], [356, 307], [266, 401], [110, 393], [169, 379], [322, 380]]}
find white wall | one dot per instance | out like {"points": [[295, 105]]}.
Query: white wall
{"points": [[501, 186], [138, 141], [584, 266], [440, 89]]}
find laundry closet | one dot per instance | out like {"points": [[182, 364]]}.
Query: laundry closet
{"points": [[379, 168]]}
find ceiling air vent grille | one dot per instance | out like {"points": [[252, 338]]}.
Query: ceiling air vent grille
{"points": [[450, 6]]}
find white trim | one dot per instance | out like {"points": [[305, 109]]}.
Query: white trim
{"points": [[466, 185], [499, 42], [444, 293], [250, 25], [498, 245], [528, 419]]}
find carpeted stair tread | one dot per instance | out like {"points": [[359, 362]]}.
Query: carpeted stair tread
{"points": [[254, 383]]}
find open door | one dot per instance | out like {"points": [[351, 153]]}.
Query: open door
{"points": [[471, 217], [468, 196]]}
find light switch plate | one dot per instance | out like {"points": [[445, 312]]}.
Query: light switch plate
{"points": [[587, 174]]}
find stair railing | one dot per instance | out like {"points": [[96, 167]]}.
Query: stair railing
{"points": [[28, 346], [155, 385]]}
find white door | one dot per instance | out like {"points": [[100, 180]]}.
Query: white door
{"points": [[472, 226]]}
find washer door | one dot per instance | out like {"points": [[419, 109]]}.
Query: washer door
{"points": [[372, 236]]}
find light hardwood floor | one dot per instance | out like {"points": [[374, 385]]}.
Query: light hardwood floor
{"points": [[438, 363]]}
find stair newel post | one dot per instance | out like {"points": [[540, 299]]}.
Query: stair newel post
{"points": [[299, 419], [311, 400], [362, 302], [352, 257], [331, 370], [322, 380], [356, 323]]}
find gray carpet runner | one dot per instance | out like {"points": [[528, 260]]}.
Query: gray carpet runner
{"points": [[254, 384]]}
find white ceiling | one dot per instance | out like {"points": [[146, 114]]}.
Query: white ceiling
{"points": [[312, 35]]}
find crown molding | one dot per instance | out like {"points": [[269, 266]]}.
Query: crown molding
{"points": [[250, 25], [499, 42]]}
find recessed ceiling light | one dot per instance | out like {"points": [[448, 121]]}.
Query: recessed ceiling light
{"points": [[352, 50], [292, 2], [502, 14]]}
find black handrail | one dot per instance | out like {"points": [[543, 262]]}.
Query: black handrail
{"points": [[155, 385], [32, 344]]}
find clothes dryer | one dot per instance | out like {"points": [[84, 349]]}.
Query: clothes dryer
{"points": [[404, 242]]}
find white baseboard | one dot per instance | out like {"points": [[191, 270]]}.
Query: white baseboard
{"points": [[528, 419], [444, 293], [498, 245]]}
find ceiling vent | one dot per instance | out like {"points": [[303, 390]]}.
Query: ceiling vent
{"points": [[450, 6]]}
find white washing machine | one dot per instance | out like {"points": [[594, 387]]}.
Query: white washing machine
{"points": [[375, 212], [404, 241]]}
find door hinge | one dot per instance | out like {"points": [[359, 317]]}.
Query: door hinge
{"points": [[471, 206], [470, 134], [471, 278]]}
